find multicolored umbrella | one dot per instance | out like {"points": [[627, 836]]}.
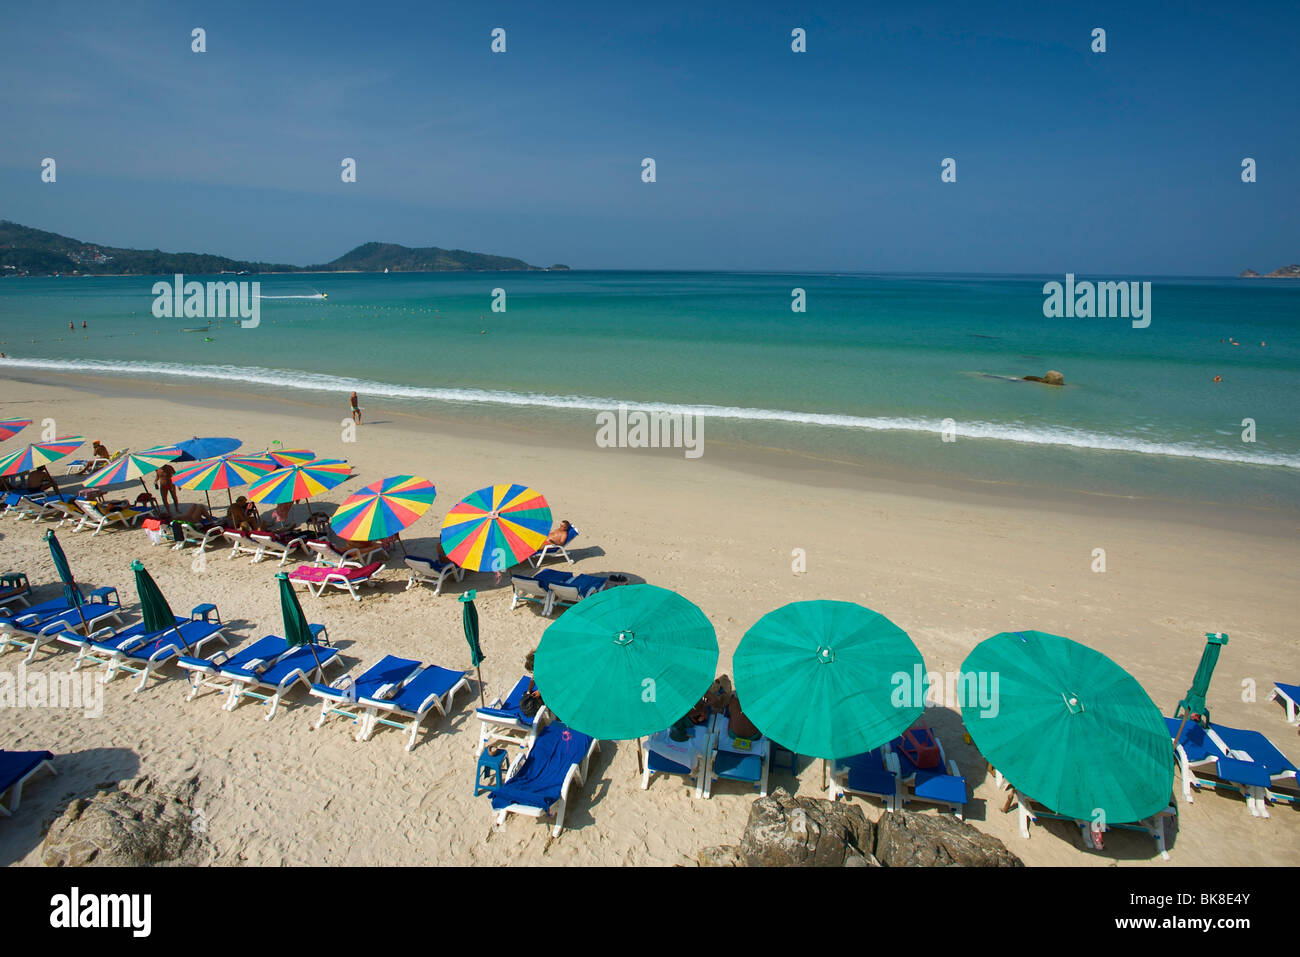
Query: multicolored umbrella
{"points": [[823, 678], [496, 527], [133, 465], [299, 482], [289, 457], [1068, 727], [383, 508], [223, 473], [626, 662], [38, 454], [11, 427]]}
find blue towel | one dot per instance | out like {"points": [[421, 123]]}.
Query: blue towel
{"points": [[538, 781], [867, 774]]}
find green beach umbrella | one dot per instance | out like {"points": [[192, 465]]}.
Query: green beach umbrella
{"points": [[71, 591], [626, 662], [469, 621], [296, 629], [1068, 727], [157, 614], [1193, 704], [830, 679]]}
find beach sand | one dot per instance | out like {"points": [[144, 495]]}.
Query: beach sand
{"points": [[950, 565]]}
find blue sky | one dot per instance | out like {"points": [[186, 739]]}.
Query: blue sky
{"points": [[1126, 162]]}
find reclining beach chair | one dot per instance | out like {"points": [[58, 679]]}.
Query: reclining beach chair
{"points": [[502, 721], [42, 625], [569, 589], [137, 652], [16, 769], [317, 579], [940, 784], [525, 588], [14, 587], [270, 546], [91, 515], [67, 511], [873, 774], [432, 690], [37, 507], [687, 759], [328, 555], [379, 680], [205, 672], [429, 572], [1231, 759], [551, 549], [202, 538], [1032, 812], [241, 543], [270, 682], [540, 780], [1289, 696], [737, 759]]}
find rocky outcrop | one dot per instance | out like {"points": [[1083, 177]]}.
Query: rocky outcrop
{"points": [[142, 823], [1051, 378], [786, 831], [1248, 274], [1285, 272]]}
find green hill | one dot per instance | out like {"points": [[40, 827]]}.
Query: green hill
{"points": [[376, 257]]}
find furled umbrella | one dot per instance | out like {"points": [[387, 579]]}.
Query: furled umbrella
{"points": [[1067, 726], [830, 679], [71, 590], [299, 482], [133, 465], [157, 614], [496, 527], [383, 509], [626, 662], [11, 427], [296, 629], [39, 454], [469, 621], [1193, 706]]}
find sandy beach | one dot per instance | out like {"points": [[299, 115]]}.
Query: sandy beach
{"points": [[950, 564]]}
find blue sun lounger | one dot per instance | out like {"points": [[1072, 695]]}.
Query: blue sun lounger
{"points": [[736, 759], [942, 785], [538, 783], [304, 665], [138, 652], [379, 680], [16, 768], [201, 671], [550, 548], [1231, 759], [874, 774], [1289, 696], [433, 689], [39, 626], [502, 722], [687, 759]]}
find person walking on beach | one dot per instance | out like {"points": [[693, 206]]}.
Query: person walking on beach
{"points": [[165, 486], [356, 410]]}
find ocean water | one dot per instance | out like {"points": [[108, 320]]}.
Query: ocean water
{"points": [[868, 375]]}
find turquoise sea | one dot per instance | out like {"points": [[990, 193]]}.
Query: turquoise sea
{"points": [[868, 374]]}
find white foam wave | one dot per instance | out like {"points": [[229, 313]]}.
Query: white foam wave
{"points": [[296, 380]]}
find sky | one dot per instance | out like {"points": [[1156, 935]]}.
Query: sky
{"points": [[1126, 162]]}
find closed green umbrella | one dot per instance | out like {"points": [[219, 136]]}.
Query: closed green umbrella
{"points": [[157, 614], [1193, 704], [829, 678], [1068, 727], [71, 590], [469, 621], [296, 629], [626, 662]]}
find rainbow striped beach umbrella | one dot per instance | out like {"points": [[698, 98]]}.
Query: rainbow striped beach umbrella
{"points": [[496, 527], [225, 472], [383, 508], [38, 454], [133, 465], [11, 427], [299, 482], [290, 457]]}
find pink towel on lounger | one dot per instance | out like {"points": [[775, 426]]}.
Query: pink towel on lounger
{"points": [[317, 573]]}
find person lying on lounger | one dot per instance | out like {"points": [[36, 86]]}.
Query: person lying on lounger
{"points": [[243, 516], [193, 512], [560, 534]]}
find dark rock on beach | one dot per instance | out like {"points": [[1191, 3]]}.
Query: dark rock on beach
{"points": [[786, 831], [141, 823]]}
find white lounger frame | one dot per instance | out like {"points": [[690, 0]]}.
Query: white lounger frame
{"points": [[423, 572], [239, 687], [15, 790], [401, 718]]}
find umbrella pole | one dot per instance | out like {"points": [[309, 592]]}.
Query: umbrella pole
{"points": [[481, 700], [640, 766]]}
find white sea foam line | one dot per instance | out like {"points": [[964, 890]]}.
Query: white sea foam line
{"points": [[319, 382]]}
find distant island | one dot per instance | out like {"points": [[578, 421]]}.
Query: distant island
{"points": [[1286, 272], [25, 251]]}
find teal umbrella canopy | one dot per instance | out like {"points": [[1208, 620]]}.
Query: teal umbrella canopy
{"points": [[830, 679], [1068, 727], [626, 662]]}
